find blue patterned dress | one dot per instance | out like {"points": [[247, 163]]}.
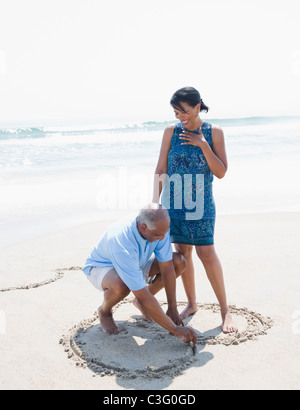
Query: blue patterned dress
{"points": [[186, 163]]}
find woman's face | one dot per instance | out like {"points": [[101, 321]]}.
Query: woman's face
{"points": [[189, 115]]}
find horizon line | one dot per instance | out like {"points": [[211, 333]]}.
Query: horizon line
{"points": [[66, 122]]}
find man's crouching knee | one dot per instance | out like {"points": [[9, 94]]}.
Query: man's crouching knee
{"points": [[119, 289]]}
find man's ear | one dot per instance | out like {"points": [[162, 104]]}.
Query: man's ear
{"points": [[144, 227]]}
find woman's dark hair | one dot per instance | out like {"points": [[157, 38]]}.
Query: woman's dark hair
{"points": [[190, 96]]}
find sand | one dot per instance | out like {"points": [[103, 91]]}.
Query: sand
{"points": [[51, 338], [148, 350]]}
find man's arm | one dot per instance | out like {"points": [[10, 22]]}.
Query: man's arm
{"points": [[151, 305], [168, 276]]}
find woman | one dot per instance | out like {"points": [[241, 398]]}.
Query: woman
{"points": [[194, 147]]}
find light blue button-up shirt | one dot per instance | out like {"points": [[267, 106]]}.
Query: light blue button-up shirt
{"points": [[122, 247]]}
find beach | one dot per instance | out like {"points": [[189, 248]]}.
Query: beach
{"points": [[61, 187], [87, 103], [261, 262]]}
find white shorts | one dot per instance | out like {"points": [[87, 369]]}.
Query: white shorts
{"points": [[97, 275]]}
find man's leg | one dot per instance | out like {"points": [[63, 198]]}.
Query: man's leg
{"points": [[157, 284], [115, 290]]}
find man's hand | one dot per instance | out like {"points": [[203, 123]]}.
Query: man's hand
{"points": [[186, 333], [174, 315], [153, 308]]}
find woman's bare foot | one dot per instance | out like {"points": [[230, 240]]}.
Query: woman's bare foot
{"points": [[107, 323], [143, 312], [228, 324], [189, 310]]}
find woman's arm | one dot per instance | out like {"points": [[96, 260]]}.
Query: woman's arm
{"points": [[216, 158], [162, 165]]}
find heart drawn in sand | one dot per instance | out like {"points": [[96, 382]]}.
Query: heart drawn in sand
{"points": [[146, 349]]}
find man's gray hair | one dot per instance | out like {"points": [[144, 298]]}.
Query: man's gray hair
{"points": [[152, 214]]}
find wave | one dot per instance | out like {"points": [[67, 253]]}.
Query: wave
{"points": [[254, 121], [10, 133], [42, 132]]}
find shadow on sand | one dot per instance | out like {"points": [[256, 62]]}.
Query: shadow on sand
{"points": [[142, 351]]}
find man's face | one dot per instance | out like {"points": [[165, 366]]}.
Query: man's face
{"points": [[156, 234]]}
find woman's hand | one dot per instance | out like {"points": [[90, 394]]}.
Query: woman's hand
{"points": [[198, 140]]}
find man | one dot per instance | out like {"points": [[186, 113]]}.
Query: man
{"points": [[122, 262]]}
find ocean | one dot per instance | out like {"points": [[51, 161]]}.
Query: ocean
{"points": [[55, 177]]}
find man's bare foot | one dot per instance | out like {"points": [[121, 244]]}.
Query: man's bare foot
{"points": [[107, 323], [228, 325], [189, 310], [143, 312]]}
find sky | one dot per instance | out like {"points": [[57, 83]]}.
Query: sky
{"points": [[117, 60]]}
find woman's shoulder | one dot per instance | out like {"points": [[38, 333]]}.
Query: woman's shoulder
{"points": [[215, 127], [169, 130], [217, 131], [208, 124], [168, 135], [170, 127]]}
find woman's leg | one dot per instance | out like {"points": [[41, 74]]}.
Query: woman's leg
{"points": [[188, 279], [213, 268]]}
